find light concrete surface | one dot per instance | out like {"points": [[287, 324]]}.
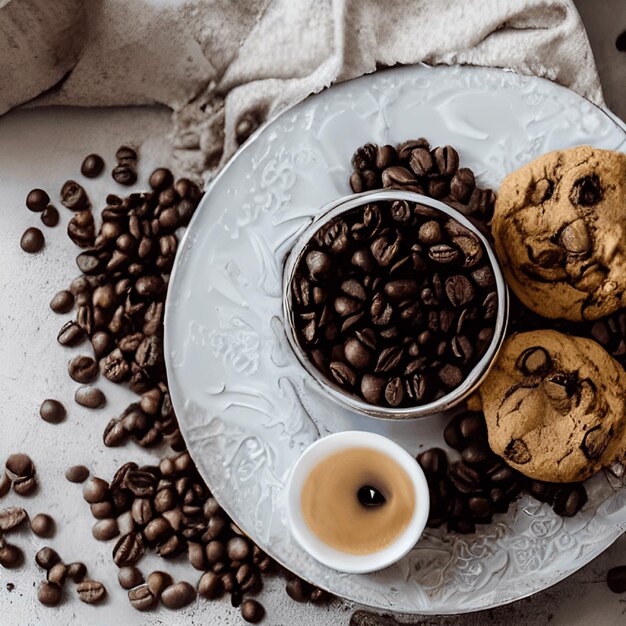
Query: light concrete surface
{"points": [[44, 148]]}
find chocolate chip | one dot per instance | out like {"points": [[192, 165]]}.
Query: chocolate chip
{"points": [[517, 452], [534, 361], [595, 442], [575, 238], [586, 191]]}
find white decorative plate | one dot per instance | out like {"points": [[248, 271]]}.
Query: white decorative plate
{"points": [[245, 406]]}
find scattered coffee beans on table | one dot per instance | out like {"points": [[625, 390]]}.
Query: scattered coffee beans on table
{"points": [[395, 302]]}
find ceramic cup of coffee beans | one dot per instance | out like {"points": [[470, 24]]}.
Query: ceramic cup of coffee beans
{"points": [[394, 303]]}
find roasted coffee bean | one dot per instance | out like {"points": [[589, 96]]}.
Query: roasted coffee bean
{"points": [[210, 586], [157, 530], [82, 369], [90, 397], [37, 200], [129, 577], [62, 302], [81, 229], [57, 574], [447, 160], [161, 178], [32, 240], [158, 582], [76, 571], [126, 154], [252, 611], [95, 490], [24, 486], [102, 510], [124, 174], [46, 558], [462, 185], [141, 598], [52, 411], [129, 549], [12, 517], [42, 525], [49, 594], [71, 334], [92, 166], [178, 595], [616, 579], [569, 500], [77, 474], [5, 483], [115, 367], [91, 591], [105, 529], [50, 216], [434, 462], [73, 196], [19, 465]]}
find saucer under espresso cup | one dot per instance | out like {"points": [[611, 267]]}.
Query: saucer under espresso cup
{"points": [[403, 466]]}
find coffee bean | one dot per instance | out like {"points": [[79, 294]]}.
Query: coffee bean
{"points": [[459, 290], [77, 474], [421, 161], [90, 397], [102, 510], [12, 517], [129, 577], [24, 486], [616, 579], [57, 574], [252, 611], [238, 549], [5, 483], [158, 582], [46, 558], [398, 177], [124, 174], [141, 598], [37, 200], [434, 462], [157, 530], [129, 549], [95, 490], [92, 166], [105, 529], [71, 334], [32, 240], [19, 465], [73, 196], [77, 571], [210, 586], [462, 185], [126, 154], [50, 216], [49, 594], [42, 525], [82, 369], [52, 411], [91, 591], [161, 178], [81, 229], [447, 160], [178, 595], [62, 302], [569, 500]]}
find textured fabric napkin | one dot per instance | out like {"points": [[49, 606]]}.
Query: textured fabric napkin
{"points": [[224, 66]]}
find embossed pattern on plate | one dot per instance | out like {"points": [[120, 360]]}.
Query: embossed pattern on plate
{"points": [[245, 406]]}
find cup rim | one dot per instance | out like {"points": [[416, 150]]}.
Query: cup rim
{"points": [[332, 557], [333, 391]]}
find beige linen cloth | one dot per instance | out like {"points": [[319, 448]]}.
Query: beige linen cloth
{"points": [[223, 66]]}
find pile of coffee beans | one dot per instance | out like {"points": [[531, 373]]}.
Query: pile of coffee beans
{"points": [[168, 508], [394, 302], [416, 166], [469, 491], [119, 296], [50, 591]]}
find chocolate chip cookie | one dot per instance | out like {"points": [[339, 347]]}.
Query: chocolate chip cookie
{"points": [[560, 233], [555, 406]]}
